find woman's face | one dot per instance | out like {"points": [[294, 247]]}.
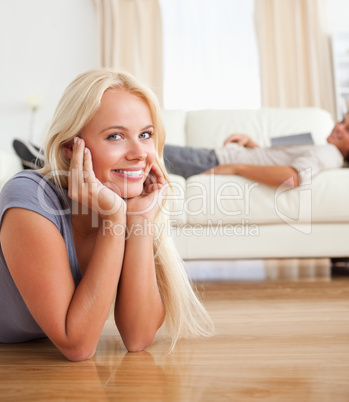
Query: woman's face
{"points": [[119, 137]]}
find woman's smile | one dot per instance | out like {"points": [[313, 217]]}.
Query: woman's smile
{"points": [[130, 174]]}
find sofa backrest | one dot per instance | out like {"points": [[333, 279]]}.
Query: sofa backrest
{"points": [[209, 128]]}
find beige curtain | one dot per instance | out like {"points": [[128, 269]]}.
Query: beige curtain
{"points": [[130, 38], [295, 57]]}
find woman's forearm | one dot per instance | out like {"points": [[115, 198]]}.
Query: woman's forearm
{"points": [[93, 297], [139, 310]]}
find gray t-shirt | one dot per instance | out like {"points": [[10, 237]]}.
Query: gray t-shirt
{"points": [[313, 158], [30, 190]]}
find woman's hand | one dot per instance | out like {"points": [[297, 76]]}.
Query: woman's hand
{"points": [[87, 190], [241, 139], [150, 200]]}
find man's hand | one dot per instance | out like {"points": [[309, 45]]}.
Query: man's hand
{"points": [[241, 139]]}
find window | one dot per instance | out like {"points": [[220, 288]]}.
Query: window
{"points": [[210, 55]]}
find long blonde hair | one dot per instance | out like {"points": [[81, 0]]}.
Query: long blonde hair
{"points": [[185, 315]]}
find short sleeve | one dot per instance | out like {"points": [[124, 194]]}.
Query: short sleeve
{"points": [[30, 190], [317, 159]]}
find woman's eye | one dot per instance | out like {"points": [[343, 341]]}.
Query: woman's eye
{"points": [[146, 135], [114, 137]]}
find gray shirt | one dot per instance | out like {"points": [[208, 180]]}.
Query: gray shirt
{"points": [[313, 158], [30, 190]]}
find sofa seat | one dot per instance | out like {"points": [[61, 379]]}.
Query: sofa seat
{"points": [[232, 199]]}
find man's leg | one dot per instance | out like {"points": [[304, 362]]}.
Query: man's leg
{"points": [[188, 161]]}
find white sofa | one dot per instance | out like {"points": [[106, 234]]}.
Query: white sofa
{"points": [[9, 165], [229, 217]]}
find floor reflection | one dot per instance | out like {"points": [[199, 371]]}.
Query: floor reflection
{"points": [[259, 270]]}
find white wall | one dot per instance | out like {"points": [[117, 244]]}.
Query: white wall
{"points": [[337, 16], [44, 44]]}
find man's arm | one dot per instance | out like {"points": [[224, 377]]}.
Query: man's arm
{"points": [[269, 175]]}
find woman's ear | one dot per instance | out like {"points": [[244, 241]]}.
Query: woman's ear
{"points": [[68, 149]]}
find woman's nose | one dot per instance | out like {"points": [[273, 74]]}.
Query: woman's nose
{"points": [[136, 152]]}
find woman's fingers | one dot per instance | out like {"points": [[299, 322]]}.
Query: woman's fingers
{"points": [[154, 187], [81, 172], [76, 168], [88, 173], [81, 167], [77, 155], [158, 172], [155, 176]]}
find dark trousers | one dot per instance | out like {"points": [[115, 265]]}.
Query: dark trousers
{"points": [[188, 161]]}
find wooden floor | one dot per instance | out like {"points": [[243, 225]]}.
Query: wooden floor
{"points": [[277, 340]]}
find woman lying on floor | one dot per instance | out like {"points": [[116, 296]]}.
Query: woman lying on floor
{"points": [[79, 233]]}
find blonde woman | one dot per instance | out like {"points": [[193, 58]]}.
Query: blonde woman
{"points": [[80, 233]]}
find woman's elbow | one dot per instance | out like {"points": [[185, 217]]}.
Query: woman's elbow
{"points": [[137, 344], [78, 353]]}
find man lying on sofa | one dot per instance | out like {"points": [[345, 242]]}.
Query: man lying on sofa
{"points": [[288, 165]]}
